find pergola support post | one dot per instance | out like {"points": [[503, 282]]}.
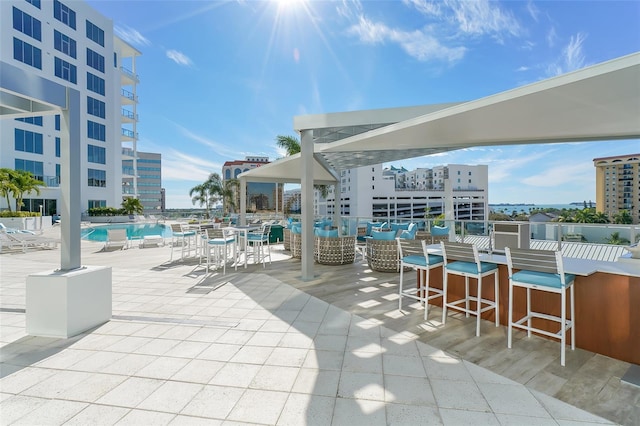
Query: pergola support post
{"points": [[306, 193]]}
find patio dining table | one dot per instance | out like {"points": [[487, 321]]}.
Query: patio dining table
{"points": [[241, 232]]}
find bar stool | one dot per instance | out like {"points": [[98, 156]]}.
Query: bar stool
{"points": [[258, 241], [182, 236], [541, 270], [220, 241], [414, 255], [467, 264]]}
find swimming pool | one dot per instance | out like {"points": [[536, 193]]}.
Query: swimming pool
{"points": [[135, 231]]}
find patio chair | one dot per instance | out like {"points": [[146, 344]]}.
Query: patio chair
{"points": [[116, 238], [258, 241], [332, 249], [382, 251], [7, 242], [220, 240], [413, 254], [182, 236], [466, 263], [541, 270]]}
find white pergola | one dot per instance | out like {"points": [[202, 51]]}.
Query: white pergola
{"points": [[23, 94], [597, 103]]}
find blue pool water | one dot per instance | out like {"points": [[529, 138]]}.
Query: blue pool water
{"points": [[134, 231]]}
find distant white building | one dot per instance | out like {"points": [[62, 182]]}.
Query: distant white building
{"points": [[393, 193]]}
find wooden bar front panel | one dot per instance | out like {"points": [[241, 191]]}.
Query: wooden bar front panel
{"points": [[607, 309]]}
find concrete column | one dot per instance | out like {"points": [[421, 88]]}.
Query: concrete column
{"points": [[306, 193], [449, 214], [243, 201], [70, 183]]}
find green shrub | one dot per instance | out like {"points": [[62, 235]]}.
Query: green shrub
{"points": [[105, 211], [7, 213]]}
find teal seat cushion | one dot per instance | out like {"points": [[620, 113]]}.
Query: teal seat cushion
{"points": [[383, 235], [439, 230], [542, 278], [185, 234], [296, 228], [410, 233], [327, 233], [471, 267], [256, 237], [415, 259], [221, 241], [370, 226], [399, 226]]}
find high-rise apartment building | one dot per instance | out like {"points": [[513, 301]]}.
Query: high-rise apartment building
{"points": [[148, 180], [618, 185], [372, 191], [71, 44]]}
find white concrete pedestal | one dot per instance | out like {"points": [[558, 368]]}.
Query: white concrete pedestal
{"points": [[63, 304]]}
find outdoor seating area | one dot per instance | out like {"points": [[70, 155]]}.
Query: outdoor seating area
{"points": [[189, 302], [11, 240]]}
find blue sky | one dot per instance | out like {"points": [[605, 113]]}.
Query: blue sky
{"points": [[219, 80]]}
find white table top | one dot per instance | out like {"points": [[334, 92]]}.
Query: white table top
{"points": [[583, 267]]}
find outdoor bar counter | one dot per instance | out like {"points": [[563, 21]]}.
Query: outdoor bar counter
{"points": [[607, 302]]}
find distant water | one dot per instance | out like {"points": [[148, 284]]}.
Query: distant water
{"points": [[518, 208]]}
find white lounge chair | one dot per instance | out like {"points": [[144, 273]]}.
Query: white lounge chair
{"points": [[116, 238]]}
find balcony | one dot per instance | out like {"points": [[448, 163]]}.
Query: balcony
{"points": [[128, 116], [127, 97], [128, 77], [128, 152], [128, 135]]}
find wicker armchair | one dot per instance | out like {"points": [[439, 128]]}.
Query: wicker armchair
{"points": [[296, 245], [286, 238], [335, 250], [382, 255]]}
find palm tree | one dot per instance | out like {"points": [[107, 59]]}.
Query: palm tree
{"points": [[208, 192], [600, 217], [228, 194], [23, 182], [132, 205], [623, 217], [584, 216], [7, 186], [616, 239], [291, 145]]}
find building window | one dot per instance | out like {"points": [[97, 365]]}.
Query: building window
{"points": [[26, 53], [36, 3], [95, 107], [95, 33], [35, 167], [96, 131], [57, 122], [96, 154], [27, 24], [97, 178], [36, 121], [64, 44], [64, 14], [27, 141], [95, 84], [57, 147], [95, 60], [58, 173], [97, 203], [65, 70]]}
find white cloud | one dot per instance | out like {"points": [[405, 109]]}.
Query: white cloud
{"points": [[131, 36], [533, 10], [179, 58], [218, 148], [426, 7], [177, 165], [572, 57], [483, 17], [561, 175], [418, 44], [552, 37]]}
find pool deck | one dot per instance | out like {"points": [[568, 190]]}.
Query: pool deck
{"points": [[260, 346]]}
